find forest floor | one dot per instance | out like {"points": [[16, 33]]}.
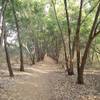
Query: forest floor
{"points": [[47, 81]]}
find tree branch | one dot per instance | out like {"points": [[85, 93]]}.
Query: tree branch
{"points": [[89, 12]]}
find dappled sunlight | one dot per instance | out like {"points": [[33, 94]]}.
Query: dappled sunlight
{"points": [[27, 83], [92, 71], [37, 70], [23, 73], [4, 71], [42, 78]]}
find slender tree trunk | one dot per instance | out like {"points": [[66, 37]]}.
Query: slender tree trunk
{"points": [[80, 74], [33, 60], [73, 51], [7, 57], [71, 72], [56, 55], [78, 35], [37, 49], [5, 39], [4, 4], [92, 58], [87, 48], [1, 33], [57, 50], [18, 34], [80, 79], [64, 45], [31, 55]]}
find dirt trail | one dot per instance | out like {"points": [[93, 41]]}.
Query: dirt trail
{"points": [[36, 83], [47, 81]]}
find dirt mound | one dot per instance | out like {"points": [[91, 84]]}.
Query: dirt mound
{"points": [[49, 60]]}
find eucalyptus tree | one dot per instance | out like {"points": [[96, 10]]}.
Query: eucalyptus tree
{"points": [[71, 48], [81, 25], [93, 33], [18, 34], [4, 32]]}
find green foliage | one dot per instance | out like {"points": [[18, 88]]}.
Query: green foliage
{"points": [[37, 20]]}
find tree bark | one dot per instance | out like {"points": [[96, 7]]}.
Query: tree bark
{"points": [[4, 4], [87, 48], [79, 71], [5, 40], [70, 70], [18, 34], [7, 56], [78, 34], [64, 45], [80, 79]]}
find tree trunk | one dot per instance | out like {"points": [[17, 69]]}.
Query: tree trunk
{"points": [[79, 70], [71, 55], [2, 11], [4, 5], [70, 71], [7, 57], [87, 48], [37, 48], [6, 51], [78, 34], [18, 34], [80, 79], [33, 60], [62, 37]]}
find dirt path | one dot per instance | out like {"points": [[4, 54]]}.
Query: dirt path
{"points": [[36, 83], [47, 81]]}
